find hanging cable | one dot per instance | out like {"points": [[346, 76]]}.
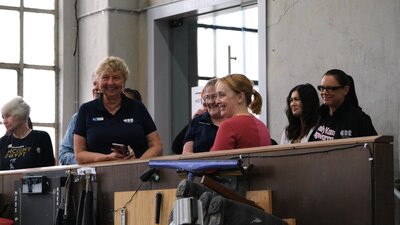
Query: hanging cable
{"points": [[130, 200]]}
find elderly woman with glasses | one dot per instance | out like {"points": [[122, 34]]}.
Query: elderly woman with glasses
{"points": [[23, 147], [114, 126], [202, 129], [341, 116]]}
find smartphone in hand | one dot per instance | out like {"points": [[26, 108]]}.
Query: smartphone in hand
{"points": [[120, 148]]}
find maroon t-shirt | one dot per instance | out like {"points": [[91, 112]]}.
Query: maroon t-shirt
{"points": [[243, 131]]}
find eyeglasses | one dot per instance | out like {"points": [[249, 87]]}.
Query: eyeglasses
{"points": [[209, 97], [328, 88]]}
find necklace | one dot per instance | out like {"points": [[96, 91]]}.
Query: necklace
{"points": [[24, 135]]}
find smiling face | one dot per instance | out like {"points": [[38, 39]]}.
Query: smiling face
{"points": [[228, 101], [95, 89], [296, 106], [111, 83], [332, 98], [209, 100]]}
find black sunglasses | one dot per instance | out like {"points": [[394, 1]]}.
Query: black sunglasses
{"points": [[328, 88]]}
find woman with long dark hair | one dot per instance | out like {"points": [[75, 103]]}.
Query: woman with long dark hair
{"points": [[302, 113], [341, 116]]}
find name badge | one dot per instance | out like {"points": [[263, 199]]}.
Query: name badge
{"points": [[98, 119], [129, 120]]}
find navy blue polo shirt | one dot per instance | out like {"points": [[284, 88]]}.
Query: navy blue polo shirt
{"points": [[129, 126], [202, 132]]}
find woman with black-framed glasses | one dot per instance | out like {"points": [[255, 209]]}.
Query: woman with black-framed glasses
{"points": [[340, 114]]}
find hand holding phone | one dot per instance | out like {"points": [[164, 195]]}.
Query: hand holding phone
{"points": [[120, 148]]}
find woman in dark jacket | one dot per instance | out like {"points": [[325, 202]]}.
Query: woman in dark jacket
{"points": [[340, 114]]}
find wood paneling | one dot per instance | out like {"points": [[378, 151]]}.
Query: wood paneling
{"points": [[330, 183]]}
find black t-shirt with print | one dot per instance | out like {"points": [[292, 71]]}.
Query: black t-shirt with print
{"points": [[35, 150], [346, 122]]}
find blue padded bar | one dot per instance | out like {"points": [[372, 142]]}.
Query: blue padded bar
{"points": [[196, 165]]}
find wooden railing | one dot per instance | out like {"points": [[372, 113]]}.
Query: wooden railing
{"points": [[348, 181]]}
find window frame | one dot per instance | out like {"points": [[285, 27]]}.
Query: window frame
{"points": [[227, 28], [19, 67], [159, 56]]}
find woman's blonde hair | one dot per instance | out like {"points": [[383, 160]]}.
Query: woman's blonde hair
{"points": [[113, 64], [240, 83], [16, 106]]}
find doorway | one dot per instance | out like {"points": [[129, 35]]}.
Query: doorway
{"points": [[188, 47]]}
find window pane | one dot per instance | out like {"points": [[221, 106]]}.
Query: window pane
{"points": [[51, 132], [251, 17], [9, 2], [39, 4], [9, 44], [233, 19], [234, 39], [39, 93], [39, 39], [206, 20], [251, 55], [202, 83], [8, 85], [205, 52], [8, 90], [243, 44]]}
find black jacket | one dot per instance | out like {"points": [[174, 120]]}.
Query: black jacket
{"points": [[346, 122]]}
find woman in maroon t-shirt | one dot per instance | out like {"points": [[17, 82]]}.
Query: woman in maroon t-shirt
{"points": [[242, 129]]}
